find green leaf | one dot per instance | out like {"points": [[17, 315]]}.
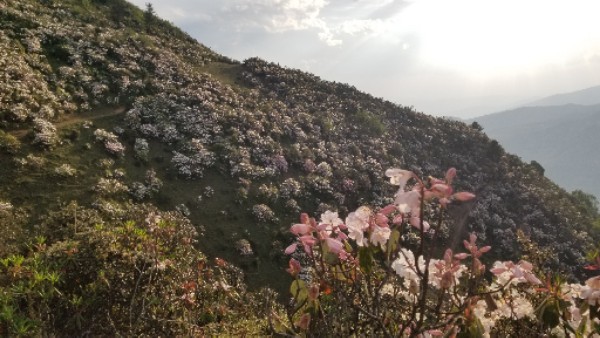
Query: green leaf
{"points": [[365, 259], [475, 329], [549, 313], [299, 290], [392, 244]]}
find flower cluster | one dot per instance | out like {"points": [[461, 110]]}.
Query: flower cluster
{"points": [[370, 269]]}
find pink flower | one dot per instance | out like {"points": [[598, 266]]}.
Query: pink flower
{"points": [[308, 241], [300, 229]]}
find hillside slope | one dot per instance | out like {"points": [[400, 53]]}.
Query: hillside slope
{"points": [[239, 148], [563, 139]]}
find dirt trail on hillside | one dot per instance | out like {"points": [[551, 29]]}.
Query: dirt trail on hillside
{"points": [[75, 118]]}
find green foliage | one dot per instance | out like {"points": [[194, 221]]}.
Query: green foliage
{"points": [[587, 203], [369, 122], [475, 125], [537, 167], [100, 275], [8, 143]]}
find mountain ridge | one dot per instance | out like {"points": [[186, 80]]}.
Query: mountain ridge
{"points": [[587, 96], [561, 138]]}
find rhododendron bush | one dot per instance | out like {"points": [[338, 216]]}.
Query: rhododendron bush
{"points": [[380, 272]]}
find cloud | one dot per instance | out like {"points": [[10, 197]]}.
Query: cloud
{"points": [[331, 21], [275, 16]]}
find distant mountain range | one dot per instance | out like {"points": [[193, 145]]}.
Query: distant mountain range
{"points": [[588, 96], [560, 132]]}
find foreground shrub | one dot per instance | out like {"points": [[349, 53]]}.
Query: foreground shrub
{"points": [[379, 273], [142, 276]]}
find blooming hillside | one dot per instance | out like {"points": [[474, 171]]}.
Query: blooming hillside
{"points": [[107, 105]]}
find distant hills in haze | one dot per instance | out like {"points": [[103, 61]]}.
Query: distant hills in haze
{"points": [[560, 132], [587, 97]]}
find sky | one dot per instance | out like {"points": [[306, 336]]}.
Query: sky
{"points": [[460, 58]]}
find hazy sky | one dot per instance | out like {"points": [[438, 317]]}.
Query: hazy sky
{"points": [[462, 57]]}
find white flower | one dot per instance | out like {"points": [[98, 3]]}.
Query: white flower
{"points": [[408, 201], [357, 222], [405, 267], [591, 291], [399, 176], [332, 221], [380, 235]]}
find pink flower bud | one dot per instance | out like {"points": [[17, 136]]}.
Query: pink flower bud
{"points": [[498, 271], [435, 333], [304, 218], [381, 220], [463, 196], [448, 255], [313, 292], [294, 267], [303, 322], [485, 249], [450, 174], [334, 245], [461, 256], [525, 265], [388, 209], [291, 249]]}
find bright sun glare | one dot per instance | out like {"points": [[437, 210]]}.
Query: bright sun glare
{"points": [[482, 37]]}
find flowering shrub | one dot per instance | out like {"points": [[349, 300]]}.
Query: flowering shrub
{"points": [[110, 141], [379, 273], [44, 133], [263, 213]]}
